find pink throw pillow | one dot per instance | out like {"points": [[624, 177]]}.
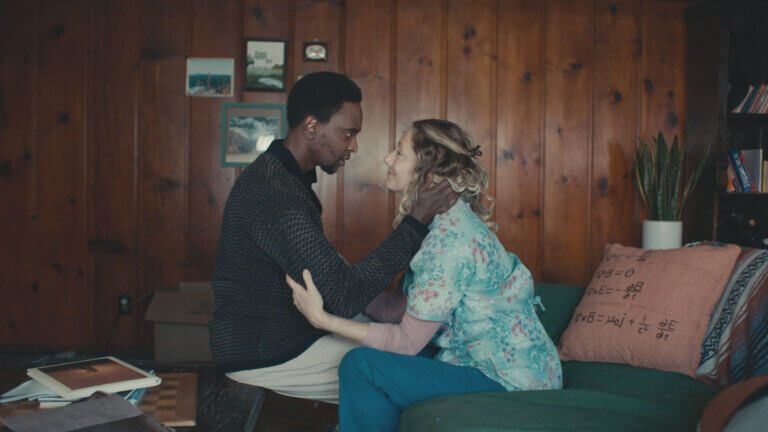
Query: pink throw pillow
{"points": [[649, 308]]}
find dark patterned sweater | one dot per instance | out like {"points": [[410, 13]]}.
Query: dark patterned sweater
{"points": [[272, 226]]}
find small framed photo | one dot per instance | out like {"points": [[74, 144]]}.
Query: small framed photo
{"points": [[210, 77], [265, 64], [315, 51], [247, 130]]}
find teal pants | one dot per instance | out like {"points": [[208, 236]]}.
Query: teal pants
{"points": [[375, 386]]}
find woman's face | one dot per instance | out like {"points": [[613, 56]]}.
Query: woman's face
{"points": [[401, 163]]}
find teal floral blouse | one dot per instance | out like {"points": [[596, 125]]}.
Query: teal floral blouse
{"points": [[463, 276]]}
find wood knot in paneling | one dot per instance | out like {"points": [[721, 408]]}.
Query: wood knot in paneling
{"points": [[157, 53], [508, 155], [614, 10], [602, 184], [617, 96], [469, 32], [672, 119], [165, 183], [62, 117], [107, 246], [648, 84], [258, 12], [576, 66], [638, 52], [5, 168], [59, 29], [527, 77]]}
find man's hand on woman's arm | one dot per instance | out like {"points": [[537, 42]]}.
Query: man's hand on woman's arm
{"points": [[310, 303]]}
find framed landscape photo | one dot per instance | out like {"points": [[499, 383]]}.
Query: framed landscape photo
{"points": [[265, 64], [247, 130], [210, 77]]}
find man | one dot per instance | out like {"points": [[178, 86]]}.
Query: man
{"points": [[272, 226]]}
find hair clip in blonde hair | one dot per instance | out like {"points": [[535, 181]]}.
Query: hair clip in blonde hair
{"points": [[475, 152]]}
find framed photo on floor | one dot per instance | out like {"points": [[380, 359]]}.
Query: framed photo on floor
{"points": [[265, 64], [247, 130]]}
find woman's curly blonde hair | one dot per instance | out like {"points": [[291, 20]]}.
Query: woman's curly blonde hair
{"points": [[444, 150]]}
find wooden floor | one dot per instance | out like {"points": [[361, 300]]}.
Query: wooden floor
{"points": [[285, 414]]}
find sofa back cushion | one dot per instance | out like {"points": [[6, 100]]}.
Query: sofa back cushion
{"points": [[649, 308], [559, 303]]}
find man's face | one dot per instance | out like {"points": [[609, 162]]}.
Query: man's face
{"points": [[337, 139]]}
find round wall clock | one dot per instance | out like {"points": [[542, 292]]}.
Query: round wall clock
{"points": [[315, 51]]}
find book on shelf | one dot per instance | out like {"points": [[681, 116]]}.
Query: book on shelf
{"points": [[755, 101], [742, 173], [764, 180], [733, 181], [758, 100], [83, 378], [743, 102], [753, 160]]}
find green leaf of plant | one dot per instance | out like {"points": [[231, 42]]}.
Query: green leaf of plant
{"points": [[692, 181], [659, 173], [676, 169]]}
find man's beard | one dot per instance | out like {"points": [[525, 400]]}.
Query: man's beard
{"points": [[332, 168]]}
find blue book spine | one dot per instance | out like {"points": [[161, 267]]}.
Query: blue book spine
{"points": [[741, 170]]}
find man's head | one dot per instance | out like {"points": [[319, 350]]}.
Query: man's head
{"points": [[325, 108]]}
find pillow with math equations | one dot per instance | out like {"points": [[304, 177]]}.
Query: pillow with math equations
{"points": [[649, 308]]}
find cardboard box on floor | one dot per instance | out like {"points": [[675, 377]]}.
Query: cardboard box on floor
{"points": [[181, 322]]}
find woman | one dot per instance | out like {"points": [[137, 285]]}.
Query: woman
{"points": [[463, 291]]}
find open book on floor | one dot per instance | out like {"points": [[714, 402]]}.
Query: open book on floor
{"points": [[83, 378]]}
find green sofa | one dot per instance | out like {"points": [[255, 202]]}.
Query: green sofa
{"points": [[595, 396]]}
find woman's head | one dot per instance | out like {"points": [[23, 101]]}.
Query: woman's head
{"points": [[440, 149]]}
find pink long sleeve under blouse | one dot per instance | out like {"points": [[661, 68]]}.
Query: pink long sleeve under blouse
{"points": [[396, 330]]}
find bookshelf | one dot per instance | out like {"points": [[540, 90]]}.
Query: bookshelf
{"points": [[727, 51]]}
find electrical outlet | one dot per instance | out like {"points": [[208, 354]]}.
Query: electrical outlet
{"points": [[123, 304]]}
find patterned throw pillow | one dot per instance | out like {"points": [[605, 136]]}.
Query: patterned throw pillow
{"points": [[649, 308]]}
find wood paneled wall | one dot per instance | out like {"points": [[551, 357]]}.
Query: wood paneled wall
{"points": [[109, 174]]}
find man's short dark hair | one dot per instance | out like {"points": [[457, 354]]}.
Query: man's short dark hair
{"points": [[320, 94]]}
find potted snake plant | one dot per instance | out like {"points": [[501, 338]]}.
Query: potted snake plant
{"points": [[659, 173]]}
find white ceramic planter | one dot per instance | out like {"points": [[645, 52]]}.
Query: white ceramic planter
{"points": [[662, 234]]}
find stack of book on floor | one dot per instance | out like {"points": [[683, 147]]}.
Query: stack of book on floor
{"points": [[755, 102], [59, 385], [747, 171]]}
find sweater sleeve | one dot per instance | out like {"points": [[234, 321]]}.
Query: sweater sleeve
{"points": [[294, 239], [409, 337]]}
